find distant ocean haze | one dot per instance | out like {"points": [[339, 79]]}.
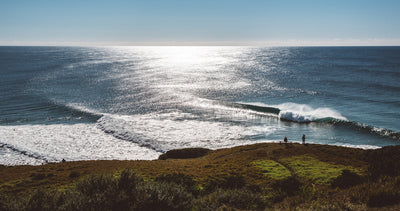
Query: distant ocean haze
{"points": [[83, 103]]}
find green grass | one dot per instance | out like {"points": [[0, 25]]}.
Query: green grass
{"points": [[273, 169], [315, 170]]}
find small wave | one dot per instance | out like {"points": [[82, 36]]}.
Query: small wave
{"points": [[359, 146], [24, 152], [361, 127], [121, 129], [78, 110], [254, 108], [47, 112]]}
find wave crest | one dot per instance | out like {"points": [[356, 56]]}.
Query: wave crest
{"points": [[362, 127], [304, 113]]}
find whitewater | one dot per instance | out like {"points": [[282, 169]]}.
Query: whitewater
{"points": [[128, 103]]}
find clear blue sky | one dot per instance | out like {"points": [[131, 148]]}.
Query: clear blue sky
{"points": [[276, 22]]}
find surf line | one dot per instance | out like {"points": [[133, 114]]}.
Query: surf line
{"points": [[23, 152], [265, 110]]}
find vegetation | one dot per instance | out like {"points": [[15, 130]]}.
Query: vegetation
{"points": [[253, 177], [273, 169], [185, 153], [314, 169]]}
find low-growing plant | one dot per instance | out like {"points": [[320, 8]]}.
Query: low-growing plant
{"points": [[10, 203], [384, 161], [74, 174], [232, 199], [41, 200], [185, 153], [283, 188], [183, 180], [163, 196], [38, 176], [381, 198], [225, 182], [347, 179], [273, 169]]}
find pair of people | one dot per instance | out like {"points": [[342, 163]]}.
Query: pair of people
{"points": [[303, 138]]}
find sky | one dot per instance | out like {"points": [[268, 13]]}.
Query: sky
{"points": [[201, 22]]}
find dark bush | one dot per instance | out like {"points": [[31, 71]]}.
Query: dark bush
{"points": [[68, 200], [232, 199], [74, 174], [180, 179], [185, 153], [163, 196], [97, 192], [41, 200], [288, 186], [128, 180], [126, 192], [383, 161], [96, 184], [12, 203], [39, 176], [382, 198], [104, 192], [347, 179]]}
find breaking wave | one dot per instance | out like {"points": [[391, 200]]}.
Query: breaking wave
{"points": [[301, 113]]}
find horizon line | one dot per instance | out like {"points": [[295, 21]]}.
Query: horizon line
{"points": [[277, 43]]}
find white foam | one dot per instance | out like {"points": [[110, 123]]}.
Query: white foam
{"points": [[70, 142], [173, 130], [360, 146], [10, 157], [305, 113], [82, 108]]}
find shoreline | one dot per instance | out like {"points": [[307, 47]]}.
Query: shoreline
{"points": [[45, 161]]}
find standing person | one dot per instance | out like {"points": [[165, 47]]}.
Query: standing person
{"points": [[303, 139], [285, 140]]}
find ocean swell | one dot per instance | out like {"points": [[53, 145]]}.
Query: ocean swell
{"points": [[301, 113], [361, 127]]}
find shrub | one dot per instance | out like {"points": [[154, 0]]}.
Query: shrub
{"points": [[41, 200], [104, 192], [347, 179], [163, 196], [69, 200], [383, 161], [39, 176], [231, 199], [74, 174], [283, 188], [289, 185], [185, 153], [225, 182], [12, 203], [96, 184], [180, 179], [381, 198]]}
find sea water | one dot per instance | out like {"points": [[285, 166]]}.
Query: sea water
{"points": [[85, 103]]}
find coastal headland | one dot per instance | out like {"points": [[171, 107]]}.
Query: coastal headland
{"points": [[251, 177]]}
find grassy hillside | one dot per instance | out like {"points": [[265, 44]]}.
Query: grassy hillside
{"points": [[252, 177]]}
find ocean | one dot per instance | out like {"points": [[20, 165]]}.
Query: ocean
{"points": [[128, 103]]}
